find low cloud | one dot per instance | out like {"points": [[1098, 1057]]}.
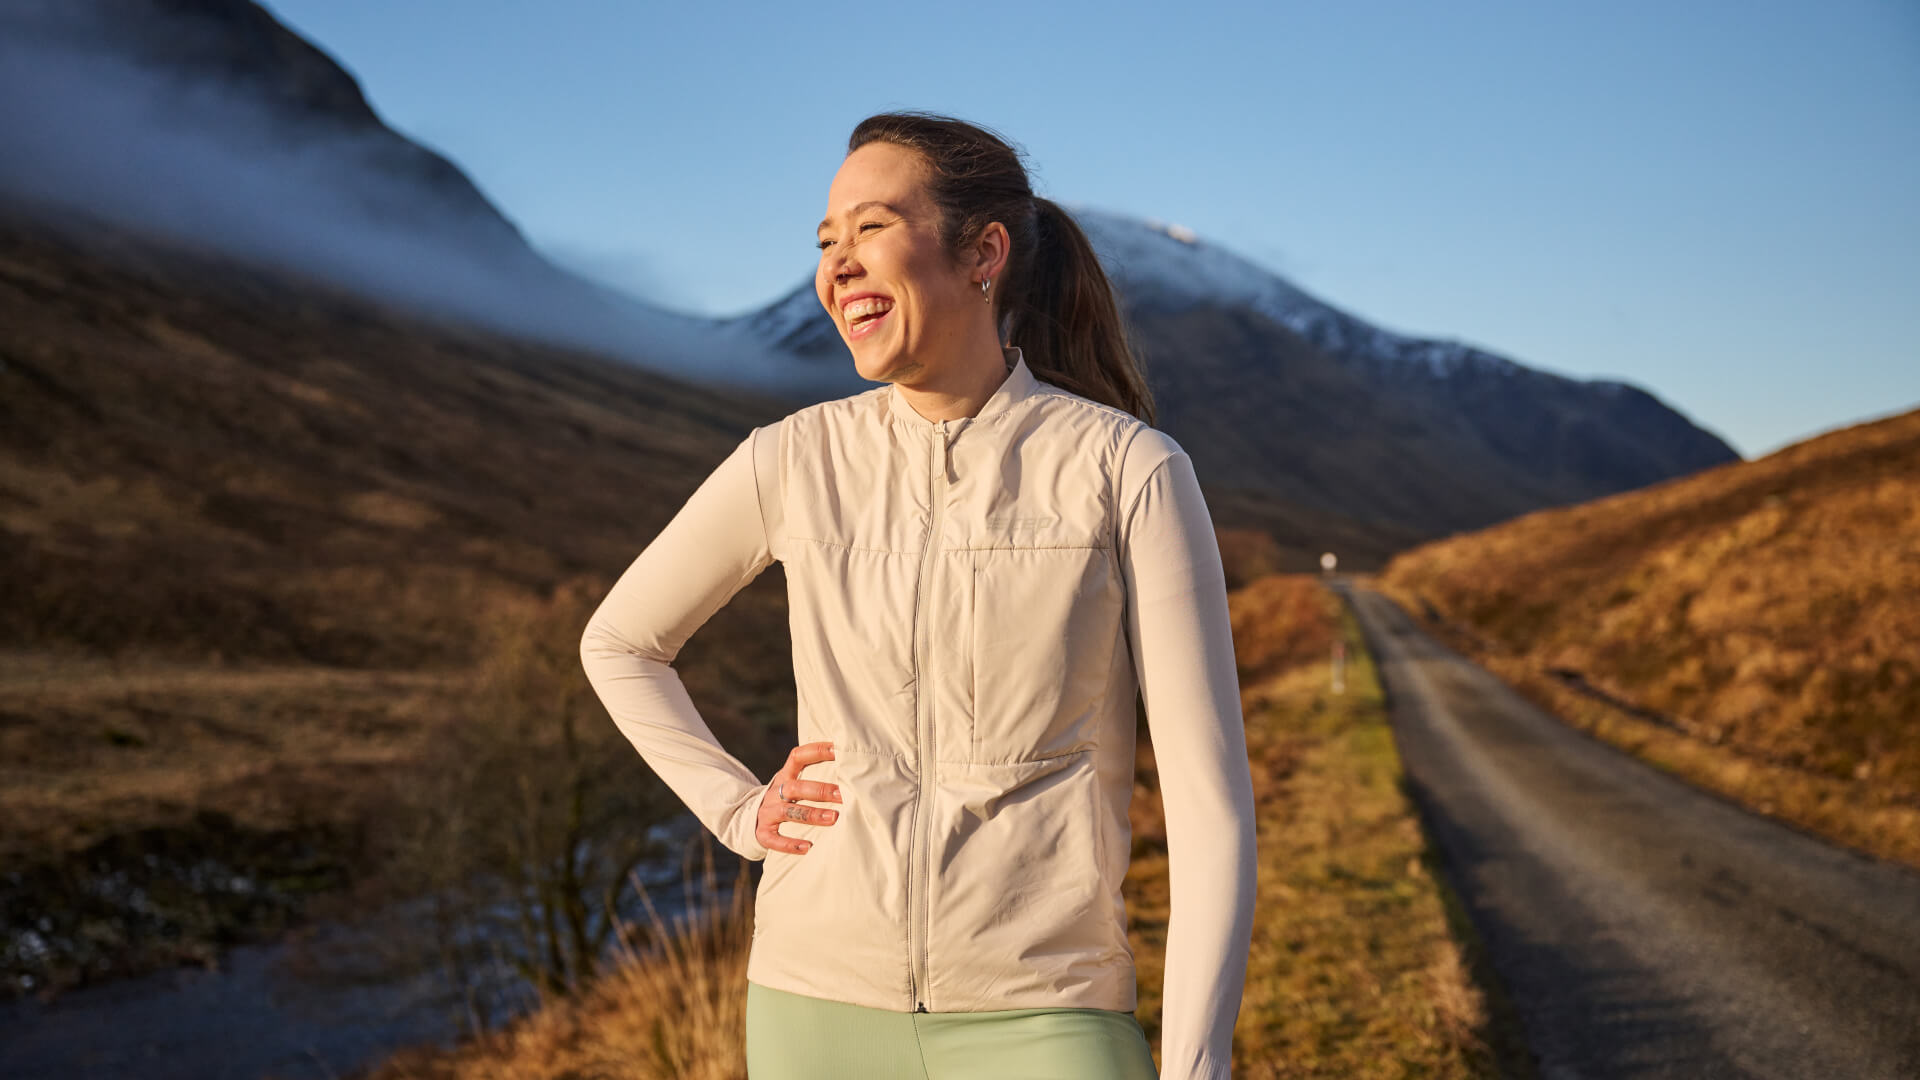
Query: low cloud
{"points": [[208, 163]]}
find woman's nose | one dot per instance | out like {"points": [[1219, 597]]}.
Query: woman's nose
{"points": [[842, 268]]}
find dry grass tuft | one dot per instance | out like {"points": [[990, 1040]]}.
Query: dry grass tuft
{"points": [[673, 1008]]}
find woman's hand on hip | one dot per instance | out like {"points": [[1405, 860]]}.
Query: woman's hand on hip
{"points": [[781, 801]]}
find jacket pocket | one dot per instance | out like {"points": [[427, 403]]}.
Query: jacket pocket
{"points": [[832, 922], [1020, 913], [1046, 622]]}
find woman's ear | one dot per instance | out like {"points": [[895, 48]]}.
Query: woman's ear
{"points": [[990, 251]]}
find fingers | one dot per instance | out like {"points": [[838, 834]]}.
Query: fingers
{"points": [[807, 815], [811, 790], [767, 829], [773, 812], [775, 809], [806, 754]]}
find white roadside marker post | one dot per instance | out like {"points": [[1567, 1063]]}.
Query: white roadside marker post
{"points": [[1327, 563]]}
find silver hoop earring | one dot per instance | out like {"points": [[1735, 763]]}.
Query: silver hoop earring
{"points": [[984, 282]]}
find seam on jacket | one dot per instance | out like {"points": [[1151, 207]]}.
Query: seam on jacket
{"points": [[868, 751], [1064, 394], [1144, 484], [752, 569], [1120, 477], [849, 547], [1083, 751], [1036, 547], [753, 459], [899, 755]]}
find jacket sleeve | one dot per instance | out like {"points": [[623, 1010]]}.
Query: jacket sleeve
{"points": [[714, 545], [1182, 643]]}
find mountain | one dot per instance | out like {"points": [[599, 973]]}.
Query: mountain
{"points": [[210, 125], [1273, 390], [1577, 438], [195, 52]]}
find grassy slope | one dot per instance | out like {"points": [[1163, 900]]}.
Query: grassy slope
{"points": [[252, 533], [252, 528], [1751, 627], [1360, 963]]}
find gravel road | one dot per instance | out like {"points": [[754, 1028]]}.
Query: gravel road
{"points": [[1644, 927]]}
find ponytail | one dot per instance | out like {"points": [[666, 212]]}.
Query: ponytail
{"points": [[1063, 314], [1056, 302]]}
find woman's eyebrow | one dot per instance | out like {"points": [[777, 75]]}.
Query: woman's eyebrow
{"points": [[857, 209]]}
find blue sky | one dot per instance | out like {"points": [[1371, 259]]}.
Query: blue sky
{"points": [[1714, 200]]}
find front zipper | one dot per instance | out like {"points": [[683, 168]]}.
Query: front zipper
{"points": [[918, 841]]}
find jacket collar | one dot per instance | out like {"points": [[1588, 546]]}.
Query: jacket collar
{"points": [[1015, 388]]}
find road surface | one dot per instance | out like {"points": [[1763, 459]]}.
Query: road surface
{"points": [[1643, 927]]}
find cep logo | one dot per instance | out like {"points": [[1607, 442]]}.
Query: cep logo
{"points": [[1015, 524]]}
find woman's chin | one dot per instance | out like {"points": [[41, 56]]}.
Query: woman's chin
{"points": [[874, 365]]}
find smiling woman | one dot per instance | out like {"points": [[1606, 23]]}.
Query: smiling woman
{"points": [[986, 561], [886, 275], [894, 276]]}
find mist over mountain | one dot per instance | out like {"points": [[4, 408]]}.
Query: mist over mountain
{"points": [[211, 125]]}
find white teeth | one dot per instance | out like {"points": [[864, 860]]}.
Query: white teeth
{"points": [[869, 306]]}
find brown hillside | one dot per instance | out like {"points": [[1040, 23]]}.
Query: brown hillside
{"points": [[1768, 610], [253, 529]]}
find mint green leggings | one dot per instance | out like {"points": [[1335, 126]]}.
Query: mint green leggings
{"points": [[796, 1037]]}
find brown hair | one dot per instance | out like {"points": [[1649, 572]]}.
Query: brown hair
{"points": [[1055, 300]]}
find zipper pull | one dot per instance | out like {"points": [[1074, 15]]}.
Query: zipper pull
{"points": [[920, 1006], [946, 458]]}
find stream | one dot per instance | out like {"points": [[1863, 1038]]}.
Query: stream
{"points": [[263, 1012]]}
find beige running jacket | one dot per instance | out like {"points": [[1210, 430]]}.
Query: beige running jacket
{"points": [[973, 603]]}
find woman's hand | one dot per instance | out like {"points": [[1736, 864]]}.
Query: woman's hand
{"points": [[776, 807]]}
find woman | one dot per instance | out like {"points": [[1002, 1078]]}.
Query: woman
{"points": [[984, 562]]}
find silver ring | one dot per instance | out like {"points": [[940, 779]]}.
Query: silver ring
{"points": [[783, 791]]}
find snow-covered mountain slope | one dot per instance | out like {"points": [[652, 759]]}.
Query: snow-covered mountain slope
{"points": [[1162, 263], [1156, 265]]}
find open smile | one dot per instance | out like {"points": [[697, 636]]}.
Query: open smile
{"points": [[865, 327]]}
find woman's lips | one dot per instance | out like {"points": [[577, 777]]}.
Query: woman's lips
{"points": [[866, 326]]}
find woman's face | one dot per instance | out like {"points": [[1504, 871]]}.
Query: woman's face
{"points": [[901, 306]]}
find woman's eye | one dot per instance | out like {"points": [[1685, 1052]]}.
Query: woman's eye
{"points": [[822, 244]]}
